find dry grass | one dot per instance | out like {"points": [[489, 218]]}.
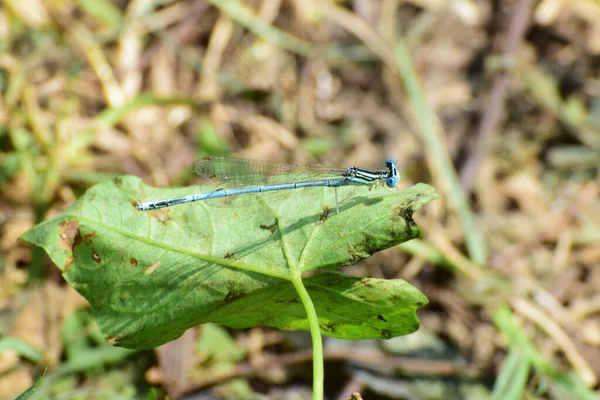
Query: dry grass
{"points": [[495, 104]]}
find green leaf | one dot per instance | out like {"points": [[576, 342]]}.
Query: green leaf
{"points": [[210, 141], [104, 11], [9, 343], [512, 379], [216, 344], [149, 276], [33, 388]]}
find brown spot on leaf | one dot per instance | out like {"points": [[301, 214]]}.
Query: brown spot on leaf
{"points": [[163, 219], [233, 296], [151, 268], [272, 228], [69, 262], [329, 327], [324, 214], [161, 214], [69, 235], [89, 236], [96, 257], [133, 262], [114, 340]]}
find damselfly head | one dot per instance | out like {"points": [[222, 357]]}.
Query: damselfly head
{"points": [[393, 176]]}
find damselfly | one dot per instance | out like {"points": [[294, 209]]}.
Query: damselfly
{"points": [[240, 176]]}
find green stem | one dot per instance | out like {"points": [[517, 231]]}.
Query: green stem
{"points": [[315, 333], [432, 136]]}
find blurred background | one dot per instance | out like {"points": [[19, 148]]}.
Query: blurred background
{"points": [[495, 103]]}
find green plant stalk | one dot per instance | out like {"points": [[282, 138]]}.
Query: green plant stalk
{"points": [[244, 16], [113, 115], [334, 52], [420, 248], [517, 340], [511, 382], [315, 333], [433, 140]]}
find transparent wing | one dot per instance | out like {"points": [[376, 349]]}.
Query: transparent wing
{"points": [[237, 172]]}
